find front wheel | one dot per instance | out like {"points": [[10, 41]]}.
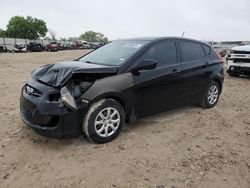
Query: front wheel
{"points": [[211, 95], [104, 121]]}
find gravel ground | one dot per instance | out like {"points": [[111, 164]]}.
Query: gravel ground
{"points": [[185, 147]]}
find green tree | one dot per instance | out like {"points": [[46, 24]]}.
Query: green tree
{"points": [[2, 33], [91, 36], [30, 28]]}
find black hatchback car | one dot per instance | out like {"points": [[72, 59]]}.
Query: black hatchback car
{"points": [[120, 82]]}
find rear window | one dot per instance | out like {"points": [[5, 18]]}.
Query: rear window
{"points": [[191, 51]]}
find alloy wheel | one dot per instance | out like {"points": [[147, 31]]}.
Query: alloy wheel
{"points": [[107, 122], [213, 94]]}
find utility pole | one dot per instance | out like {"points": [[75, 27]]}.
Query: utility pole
{"points": [[183, 33]]}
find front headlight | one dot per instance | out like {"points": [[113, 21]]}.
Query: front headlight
{"points": [[78, 89], [67, 99], [72, 92]]}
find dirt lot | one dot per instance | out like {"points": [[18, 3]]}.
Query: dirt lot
{"points": [[186, 147]]}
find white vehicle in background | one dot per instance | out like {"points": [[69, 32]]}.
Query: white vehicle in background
{"points": [[19, 47], [85, 45], [238, 60]]}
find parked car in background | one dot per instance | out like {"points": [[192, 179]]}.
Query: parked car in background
{"points": [[60, 46], [85, 45], [238, 60], [93, 45], [35, 47], [120, 82], [3, 48], [19, 47], [68, 47], [77, 45], [53, 46]]}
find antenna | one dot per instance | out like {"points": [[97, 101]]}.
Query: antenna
{"points": [[183, 33]]}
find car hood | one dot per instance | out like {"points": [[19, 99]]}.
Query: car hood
{"points": [[58, 74], [242, 48]]}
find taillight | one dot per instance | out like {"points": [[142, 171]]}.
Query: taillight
{"points": [[221, 60]]}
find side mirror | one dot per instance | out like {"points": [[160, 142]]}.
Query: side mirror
{"points": [[146, 64]]}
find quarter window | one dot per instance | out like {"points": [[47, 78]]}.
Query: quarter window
{"points": [[164, 53], [206, 49], [191, 51]]}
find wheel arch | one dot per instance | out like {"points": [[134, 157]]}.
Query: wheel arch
{"points": [[218, 81], [118, 98]]}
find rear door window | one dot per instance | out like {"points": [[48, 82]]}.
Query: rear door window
{"points": [[164, 53], [191, 51]]}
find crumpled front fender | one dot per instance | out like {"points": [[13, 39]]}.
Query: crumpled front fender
{"points": [[117, 86]]}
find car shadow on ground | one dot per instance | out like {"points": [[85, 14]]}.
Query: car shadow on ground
{"points": [[42, 142], [163, 117], [241, 76]]}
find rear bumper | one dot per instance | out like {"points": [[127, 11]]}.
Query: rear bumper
{"points": [[48, 119]]}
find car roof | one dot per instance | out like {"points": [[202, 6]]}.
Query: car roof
{"points": [[154, 39]]}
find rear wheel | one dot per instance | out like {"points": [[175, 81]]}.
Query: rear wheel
{"points": [[104, 121], [211, 95]]}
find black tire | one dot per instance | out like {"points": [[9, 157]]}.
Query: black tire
{"points": [[89, 129], [233, 74], [206, 103]]}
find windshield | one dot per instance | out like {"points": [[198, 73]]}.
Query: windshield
{"points": [[114, 53]]}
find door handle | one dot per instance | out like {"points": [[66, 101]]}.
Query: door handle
{"points": [[176, 70]]}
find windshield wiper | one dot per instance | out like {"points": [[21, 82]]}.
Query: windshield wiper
{"points": [[85, 61], [89, 62]]}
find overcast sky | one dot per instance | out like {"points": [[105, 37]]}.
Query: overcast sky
{"points": [[200, 19]]}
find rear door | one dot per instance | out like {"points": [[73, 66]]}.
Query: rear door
{"points": [[195, 70], [158, 89]]}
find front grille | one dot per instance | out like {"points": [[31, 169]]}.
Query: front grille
{"points": [[49, 121], [241, 69], [241, 60], [239, 52], [53, 122], [27, 114]]}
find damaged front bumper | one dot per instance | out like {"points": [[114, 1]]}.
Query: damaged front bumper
{"points": [[47, 117], [238, 66]]}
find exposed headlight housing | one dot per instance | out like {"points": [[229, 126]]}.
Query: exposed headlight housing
{"points": [[72, 92], [67, 99]]}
